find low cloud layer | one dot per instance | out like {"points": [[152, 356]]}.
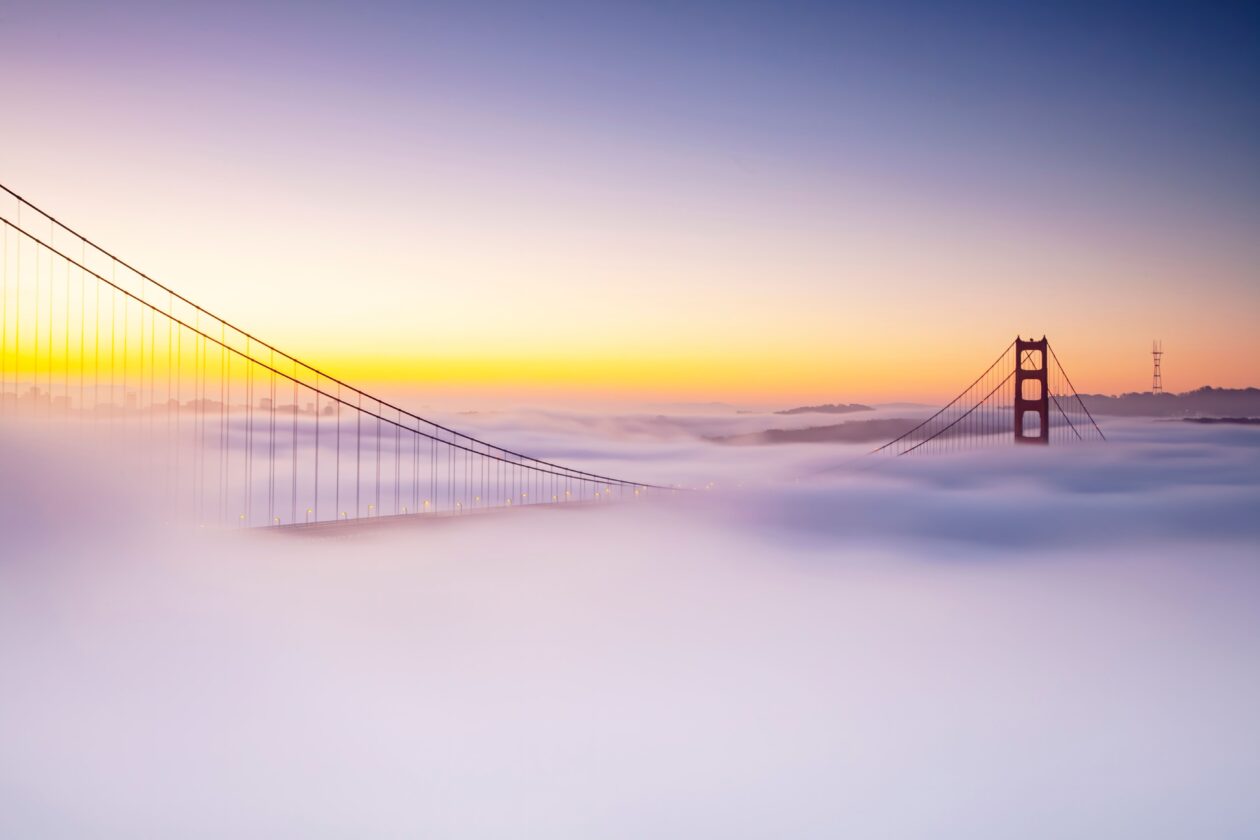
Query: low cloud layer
{"points": [[1018, 642]]}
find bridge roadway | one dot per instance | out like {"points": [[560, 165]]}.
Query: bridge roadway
{"points": [[396, 522]]}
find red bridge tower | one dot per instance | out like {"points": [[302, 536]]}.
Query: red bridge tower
{"points": [[1032, 399]]}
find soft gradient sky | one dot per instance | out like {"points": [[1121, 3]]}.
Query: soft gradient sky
{"points": [[760, 203]]}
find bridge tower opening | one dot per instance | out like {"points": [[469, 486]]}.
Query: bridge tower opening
{"points": [[1032, 397]]}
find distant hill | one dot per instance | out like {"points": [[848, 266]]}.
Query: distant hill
{"points": [[1205, 402], [906, 405], [827, 409], [1228, 421], [854, 431]]}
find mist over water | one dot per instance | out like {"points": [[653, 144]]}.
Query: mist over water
{"points": [[1001, 643]]}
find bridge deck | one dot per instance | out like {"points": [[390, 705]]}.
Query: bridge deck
{"points": [[393, 522]]}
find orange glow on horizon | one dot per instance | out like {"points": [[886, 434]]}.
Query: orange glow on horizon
{"points": [[744, 377]]}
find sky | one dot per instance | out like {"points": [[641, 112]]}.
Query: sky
{"points": [[754, 203]]}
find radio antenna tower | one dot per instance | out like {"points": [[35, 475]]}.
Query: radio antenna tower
{"points": [[1157, 381]]}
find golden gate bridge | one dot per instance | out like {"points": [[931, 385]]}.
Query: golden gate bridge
{"points": [[1024, 397], [243, 433]]}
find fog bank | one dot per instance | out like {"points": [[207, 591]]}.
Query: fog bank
{"points": [[1031, 643]]}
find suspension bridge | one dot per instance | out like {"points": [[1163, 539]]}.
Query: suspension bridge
{"points": [[241, 433], [1024, 397]]}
